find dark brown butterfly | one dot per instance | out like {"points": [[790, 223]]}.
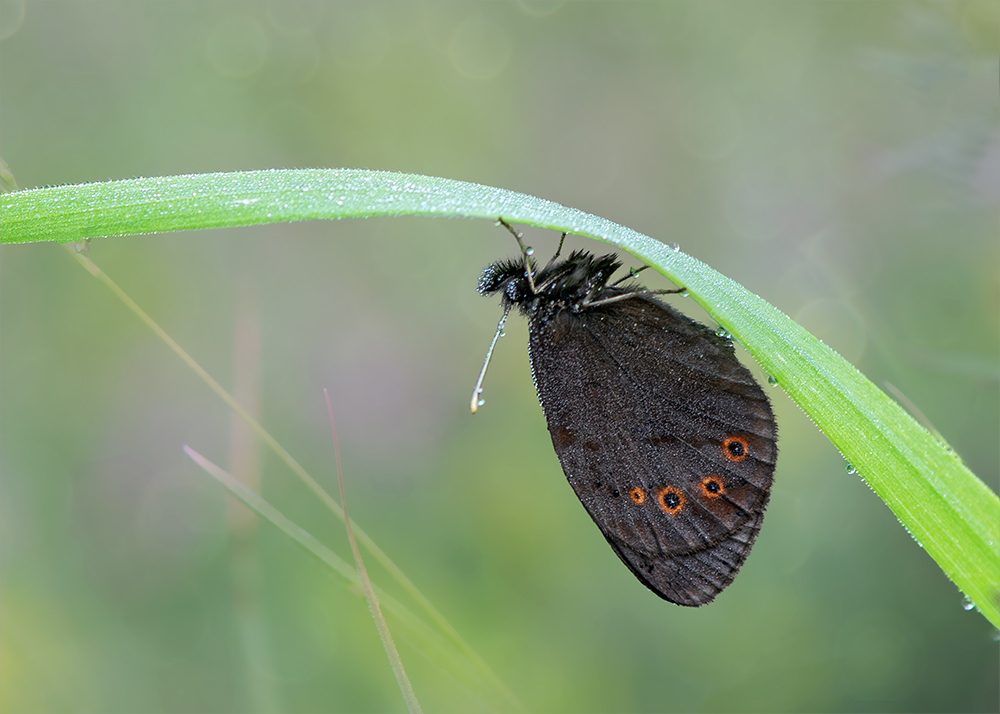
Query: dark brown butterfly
{"points": [[667, 440]]}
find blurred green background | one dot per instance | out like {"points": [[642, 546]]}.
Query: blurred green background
{"points": [[842, 160]]}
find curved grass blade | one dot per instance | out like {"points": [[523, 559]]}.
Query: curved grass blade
{"points": [[953, 515]]}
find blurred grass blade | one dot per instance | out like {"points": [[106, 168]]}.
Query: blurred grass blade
{"points": [[299, 471], [409, 696], [264, 509], [422, 632], [953, 515], [7, 181]]}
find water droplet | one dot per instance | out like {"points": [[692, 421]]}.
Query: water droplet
{"points": [[529, 251], [481, 402], [967, 604], [673, 246], [685, 293], [503, 333], [851, 469], [772, 380], [724, 333]]}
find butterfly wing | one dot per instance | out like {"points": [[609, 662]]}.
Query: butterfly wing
{"points": [[667, 440]]}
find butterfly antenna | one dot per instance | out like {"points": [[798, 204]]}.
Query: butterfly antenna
{"points": [[631, 295], [631, 274], [478, 390], [558, 251], [526, 252]]}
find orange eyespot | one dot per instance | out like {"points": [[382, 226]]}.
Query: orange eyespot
{"points": [[671, 500], [637, 495], [735, 448], [712, 487]]}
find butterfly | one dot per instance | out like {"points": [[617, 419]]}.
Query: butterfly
{"points": [[665, 437]]}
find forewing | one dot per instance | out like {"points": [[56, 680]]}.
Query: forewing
{"points": [[665, 437]]}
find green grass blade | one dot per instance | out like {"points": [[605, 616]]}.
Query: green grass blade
{"points": [[303, 475], [952, 514], [428, 639], [174, 203], [405, 686]]}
